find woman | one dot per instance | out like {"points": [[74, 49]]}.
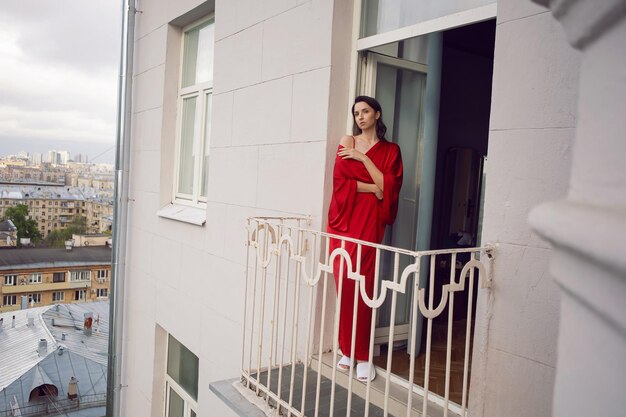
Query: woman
{"points": [[366, 183]]}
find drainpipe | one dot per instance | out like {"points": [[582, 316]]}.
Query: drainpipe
{"points": [[120, 214]]}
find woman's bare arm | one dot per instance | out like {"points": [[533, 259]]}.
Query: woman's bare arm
{"points": [[363, 187]]}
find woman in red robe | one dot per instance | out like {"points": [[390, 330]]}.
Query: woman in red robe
{"points": [[366, 183]]}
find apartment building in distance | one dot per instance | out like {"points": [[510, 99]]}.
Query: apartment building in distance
{"points": [[98, 210], [33, 174], [98, 182], [53, 207], [44, 276], [96, 186]]}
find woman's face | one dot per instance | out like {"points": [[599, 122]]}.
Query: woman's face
{"points": [[365, 116]]}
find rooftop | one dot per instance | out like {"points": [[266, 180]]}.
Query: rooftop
{"points": [[22, 341], [27, 258], [7, 226], [50, 192]]}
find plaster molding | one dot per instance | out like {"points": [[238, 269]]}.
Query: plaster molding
{"points": [[588, 262], [585, 21], [593, 232]]}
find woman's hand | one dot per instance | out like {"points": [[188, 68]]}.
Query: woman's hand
{"points": [[378, 193], [351, 153]]}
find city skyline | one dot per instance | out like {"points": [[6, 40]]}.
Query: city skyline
{"points": [[98, 152]]}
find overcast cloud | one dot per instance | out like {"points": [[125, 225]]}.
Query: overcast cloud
{"points": [[58, 70]]}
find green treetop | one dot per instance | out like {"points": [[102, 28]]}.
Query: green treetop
{"points": [[26, 227]]}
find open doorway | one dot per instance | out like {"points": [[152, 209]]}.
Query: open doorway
{"points": [[451, 190]]}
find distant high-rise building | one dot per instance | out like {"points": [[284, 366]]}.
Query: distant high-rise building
{"points": [[52, 157], [63, 157], [37, 158], [80, 158]]}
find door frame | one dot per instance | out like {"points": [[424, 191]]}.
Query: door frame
{"points": [[368, 72], [369, 67]]}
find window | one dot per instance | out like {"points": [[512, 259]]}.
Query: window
{"points": [[194, 113], [181, 380], [35, 278], [58, 296], [10, 280], [102, 292], [9, 300], [34, 298], [58, 277], [80, 276], [102, 274], [80, 295]]}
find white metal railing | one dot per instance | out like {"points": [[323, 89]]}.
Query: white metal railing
{"points": [[291, 316]]}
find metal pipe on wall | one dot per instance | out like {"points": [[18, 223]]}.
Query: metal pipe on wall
{"points": [[120, 214]]}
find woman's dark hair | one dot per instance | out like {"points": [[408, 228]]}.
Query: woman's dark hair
{"points": [[381, 129]]}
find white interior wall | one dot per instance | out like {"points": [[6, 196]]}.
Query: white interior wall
{"points": [[270, 119], [532, 127]]}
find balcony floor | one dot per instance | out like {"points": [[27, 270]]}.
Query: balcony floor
{"points": [[401, 360], [357, 407]]}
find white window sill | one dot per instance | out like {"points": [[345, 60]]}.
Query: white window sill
{"points": [[185, 214]]}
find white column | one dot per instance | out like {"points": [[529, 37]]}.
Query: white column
{"points": [[588, 227]]}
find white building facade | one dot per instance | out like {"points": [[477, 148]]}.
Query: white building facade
{"points": [[237, 111]]}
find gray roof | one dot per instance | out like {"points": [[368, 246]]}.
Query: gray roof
{"points": [[19, 345], [79, 355], [57, 368], [25, 258], [68, 319], [101, 199], [7, 226], [51, 192]]}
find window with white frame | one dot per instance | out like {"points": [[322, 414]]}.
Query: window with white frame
{"points": [[102, 274], [10, 280], [34, 298], [58, 296], [194, 113], [102, 292], [9, 300], [80, 275], [181, 380], [80, 295], [35, 278]]}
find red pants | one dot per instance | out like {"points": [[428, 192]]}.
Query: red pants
{"points": [[364, 312]]}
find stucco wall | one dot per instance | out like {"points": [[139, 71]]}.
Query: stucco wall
{"points": [[532, 127], [270, 124]]}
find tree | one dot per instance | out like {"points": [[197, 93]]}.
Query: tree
{"points": [[57, 238], [26, 228], [78, 225]]}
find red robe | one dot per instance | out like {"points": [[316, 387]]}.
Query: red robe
{"points": [[361, 216]]}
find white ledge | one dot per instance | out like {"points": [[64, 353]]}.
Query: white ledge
{"points": [[185, 214]]}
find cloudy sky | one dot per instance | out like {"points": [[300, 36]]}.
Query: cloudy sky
{"points": [[58, 75]]}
